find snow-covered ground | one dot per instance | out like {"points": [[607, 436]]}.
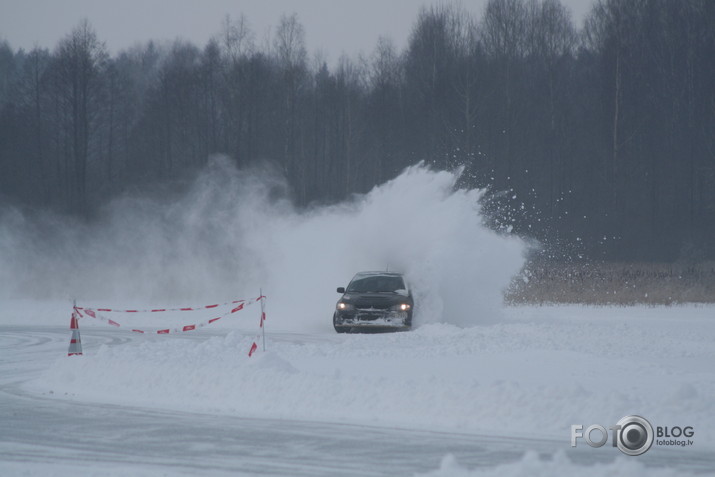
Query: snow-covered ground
{"points": [[513, 388], [531, 376]]}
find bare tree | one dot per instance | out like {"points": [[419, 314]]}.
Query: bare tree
{"points": [[236, 39], [504, 28], [237, 43], [289, 43], [80, 59], [32, 93], [428, 66], [551, 44], [289, 46]]}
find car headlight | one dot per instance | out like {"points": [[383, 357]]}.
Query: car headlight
{"points": [[342, 306], [401, 307]]}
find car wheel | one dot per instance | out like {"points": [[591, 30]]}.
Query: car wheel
{"points": [[339, 329]]}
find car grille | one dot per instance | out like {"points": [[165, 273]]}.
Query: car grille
{"points": [[372, 306]]}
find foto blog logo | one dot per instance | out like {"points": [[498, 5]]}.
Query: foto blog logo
{"points": [[633, 435]]}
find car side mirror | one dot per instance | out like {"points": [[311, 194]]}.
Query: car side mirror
{"points": [[341, 290]]}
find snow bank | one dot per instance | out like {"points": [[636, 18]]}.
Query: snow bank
{"points": [[233, 231], [531, 465], [533, 375]]}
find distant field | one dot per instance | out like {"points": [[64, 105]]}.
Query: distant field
{"points": [[613, 283]]}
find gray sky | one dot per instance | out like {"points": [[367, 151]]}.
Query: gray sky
{"points": [[333, 26]]}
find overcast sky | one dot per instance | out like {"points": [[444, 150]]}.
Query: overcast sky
{"points": [[333, 26]]}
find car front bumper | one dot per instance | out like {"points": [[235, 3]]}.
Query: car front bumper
{"points": [[389, 320]]}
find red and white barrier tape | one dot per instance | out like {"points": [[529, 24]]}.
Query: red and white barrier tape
{"points": [[156, 310], [261, 332], [94, 313]]}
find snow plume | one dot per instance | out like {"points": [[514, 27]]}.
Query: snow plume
{"points": [[234, 231]]}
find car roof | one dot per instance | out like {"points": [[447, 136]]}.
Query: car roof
{"points": [[367, 274]]}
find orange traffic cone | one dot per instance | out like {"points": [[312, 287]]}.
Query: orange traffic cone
{"points": [[76, 341]]}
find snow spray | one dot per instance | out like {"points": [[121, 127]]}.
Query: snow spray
{"points": [[233, 229]]}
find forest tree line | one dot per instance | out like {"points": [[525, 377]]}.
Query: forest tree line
{"points": [[600, 136]]}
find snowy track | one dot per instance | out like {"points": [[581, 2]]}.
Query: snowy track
{"points": [[136, 440], [62, 436], [86, 434]]}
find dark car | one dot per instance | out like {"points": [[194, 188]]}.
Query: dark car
{"points": [[378, 301]]}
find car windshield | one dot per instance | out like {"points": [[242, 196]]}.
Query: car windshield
{"points": [[376, 283]]}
